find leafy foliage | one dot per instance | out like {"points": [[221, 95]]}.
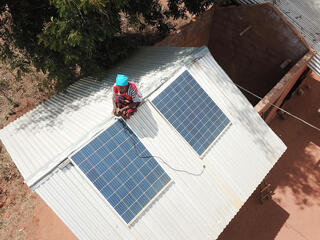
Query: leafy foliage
{"points": [[178, 8], [61, 36]]}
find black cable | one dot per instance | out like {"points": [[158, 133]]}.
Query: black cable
{"points": [[129, 133]]}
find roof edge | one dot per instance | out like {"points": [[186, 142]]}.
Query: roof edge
{"points": [[48, 168]]}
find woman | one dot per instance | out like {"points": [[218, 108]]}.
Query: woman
{"points": [[126, 97]]}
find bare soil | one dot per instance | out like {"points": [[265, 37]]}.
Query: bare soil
{"points": [[45, 224], [292, 214]]}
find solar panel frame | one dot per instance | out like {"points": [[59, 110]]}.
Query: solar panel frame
{"points": [[162, 88], [99, 193]]}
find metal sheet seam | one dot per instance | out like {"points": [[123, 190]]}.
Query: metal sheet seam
{"points": [[46, 169]]}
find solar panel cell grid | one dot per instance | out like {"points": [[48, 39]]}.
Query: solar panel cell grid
{"points": [[127, 181], [191, 112]]}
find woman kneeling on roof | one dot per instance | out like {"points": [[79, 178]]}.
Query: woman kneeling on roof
{"points": [[126, 97]]}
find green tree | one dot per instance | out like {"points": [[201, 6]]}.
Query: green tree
{"points": [[58, 36]]}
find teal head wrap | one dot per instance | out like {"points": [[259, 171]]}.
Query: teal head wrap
{"points": [[122, 80]]}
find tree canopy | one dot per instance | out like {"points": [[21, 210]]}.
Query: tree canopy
{"points": [[57, 36]]}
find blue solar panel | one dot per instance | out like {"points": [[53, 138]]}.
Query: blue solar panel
{"points": [[192, 112], [112, 164]]}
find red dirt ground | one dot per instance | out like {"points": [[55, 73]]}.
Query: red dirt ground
{"points": [[45, 224]]}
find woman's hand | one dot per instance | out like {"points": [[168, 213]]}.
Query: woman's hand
{"points": [[117, 111]]}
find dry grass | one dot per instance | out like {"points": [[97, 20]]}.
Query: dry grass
{"points": [[17, 96]]}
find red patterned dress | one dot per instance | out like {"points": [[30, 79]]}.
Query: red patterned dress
{"points": [[122, 100]]}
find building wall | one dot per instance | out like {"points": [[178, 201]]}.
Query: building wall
{"points": [[305, 16]]}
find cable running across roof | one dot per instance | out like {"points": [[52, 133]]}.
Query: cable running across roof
{"points": [[292, 115], [281, 109], [125, 126]]}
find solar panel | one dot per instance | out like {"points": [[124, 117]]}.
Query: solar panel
{"points": [[113, 163], [191, 112]]}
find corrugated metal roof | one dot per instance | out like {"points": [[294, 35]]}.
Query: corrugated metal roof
{"points": [[43, 137], [305, 16], [193, 207]]}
